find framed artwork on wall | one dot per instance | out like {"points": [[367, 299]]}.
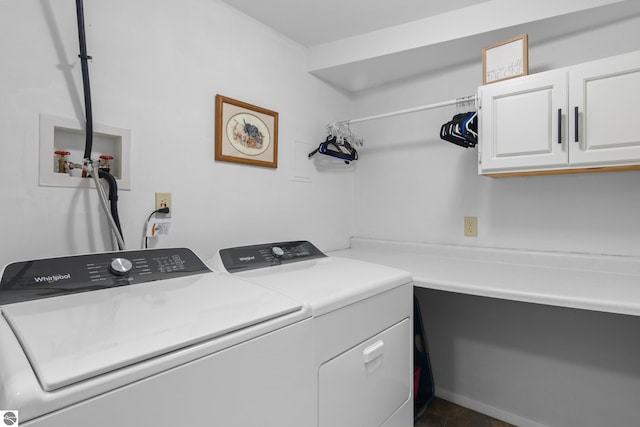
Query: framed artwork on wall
{"points": [[505, 60], [245, 133]]}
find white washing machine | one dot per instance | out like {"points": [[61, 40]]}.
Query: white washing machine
{"points": [[149, 338], [362, 327]]}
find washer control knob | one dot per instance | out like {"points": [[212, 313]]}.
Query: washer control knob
{"points": [[121, 266], [277, 251]]}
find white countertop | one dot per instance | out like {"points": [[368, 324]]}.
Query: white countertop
{"points": [[591, 282]]}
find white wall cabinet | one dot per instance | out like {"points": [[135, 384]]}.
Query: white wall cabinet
{"points": [[574, 119]]}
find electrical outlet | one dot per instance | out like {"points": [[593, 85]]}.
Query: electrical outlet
{"points": [[471, 226], [163, 200]]}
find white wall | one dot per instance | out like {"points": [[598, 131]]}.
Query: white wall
{"points": [[429, 185], [533, 365], [156, 70]]}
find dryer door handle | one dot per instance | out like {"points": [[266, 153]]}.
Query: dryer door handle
{"points": [[372, 352]]}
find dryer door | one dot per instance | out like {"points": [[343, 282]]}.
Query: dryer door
{"points": [[365, 385]]}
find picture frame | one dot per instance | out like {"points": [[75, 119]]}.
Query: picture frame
{"points": [[245, 133], [505, 60]]}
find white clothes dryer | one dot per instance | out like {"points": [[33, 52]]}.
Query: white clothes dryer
{"points": [[362, 328], [149, 338]]}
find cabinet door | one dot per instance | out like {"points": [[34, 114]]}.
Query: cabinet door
{"points": [[607, 95], [519, 123]]}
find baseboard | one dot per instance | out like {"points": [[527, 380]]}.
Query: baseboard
{"points": [[487, 409]]}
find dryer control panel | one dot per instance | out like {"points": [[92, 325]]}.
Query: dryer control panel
{"points": [[50, 277], [245, 258]]}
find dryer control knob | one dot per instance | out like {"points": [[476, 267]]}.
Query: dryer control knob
{"points": [[121, 266], [277, 251]]}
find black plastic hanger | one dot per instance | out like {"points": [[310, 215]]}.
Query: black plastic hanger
{"points": [[331, 147], [462, 130]]}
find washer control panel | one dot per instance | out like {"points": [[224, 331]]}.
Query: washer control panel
{"points": [[245, 258], [43, 278]]}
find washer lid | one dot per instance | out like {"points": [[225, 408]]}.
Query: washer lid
{"points": [[71, 338]]}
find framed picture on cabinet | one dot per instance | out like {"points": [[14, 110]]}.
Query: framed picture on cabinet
{"points": [[505, 60], [245, 133]]}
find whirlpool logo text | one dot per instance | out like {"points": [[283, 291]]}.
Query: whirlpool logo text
{"points": [[51, 279]]}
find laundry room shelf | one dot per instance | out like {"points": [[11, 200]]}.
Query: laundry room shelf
{"points": [[591, 282]]}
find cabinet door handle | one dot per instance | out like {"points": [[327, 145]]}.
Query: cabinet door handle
{"points": [[559, 125], [576, 125]]}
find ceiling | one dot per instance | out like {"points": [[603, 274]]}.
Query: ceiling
{"points": [[360, 44], [313, 22]]}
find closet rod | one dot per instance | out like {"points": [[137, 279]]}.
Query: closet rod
{"points": [[412, 110]]}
